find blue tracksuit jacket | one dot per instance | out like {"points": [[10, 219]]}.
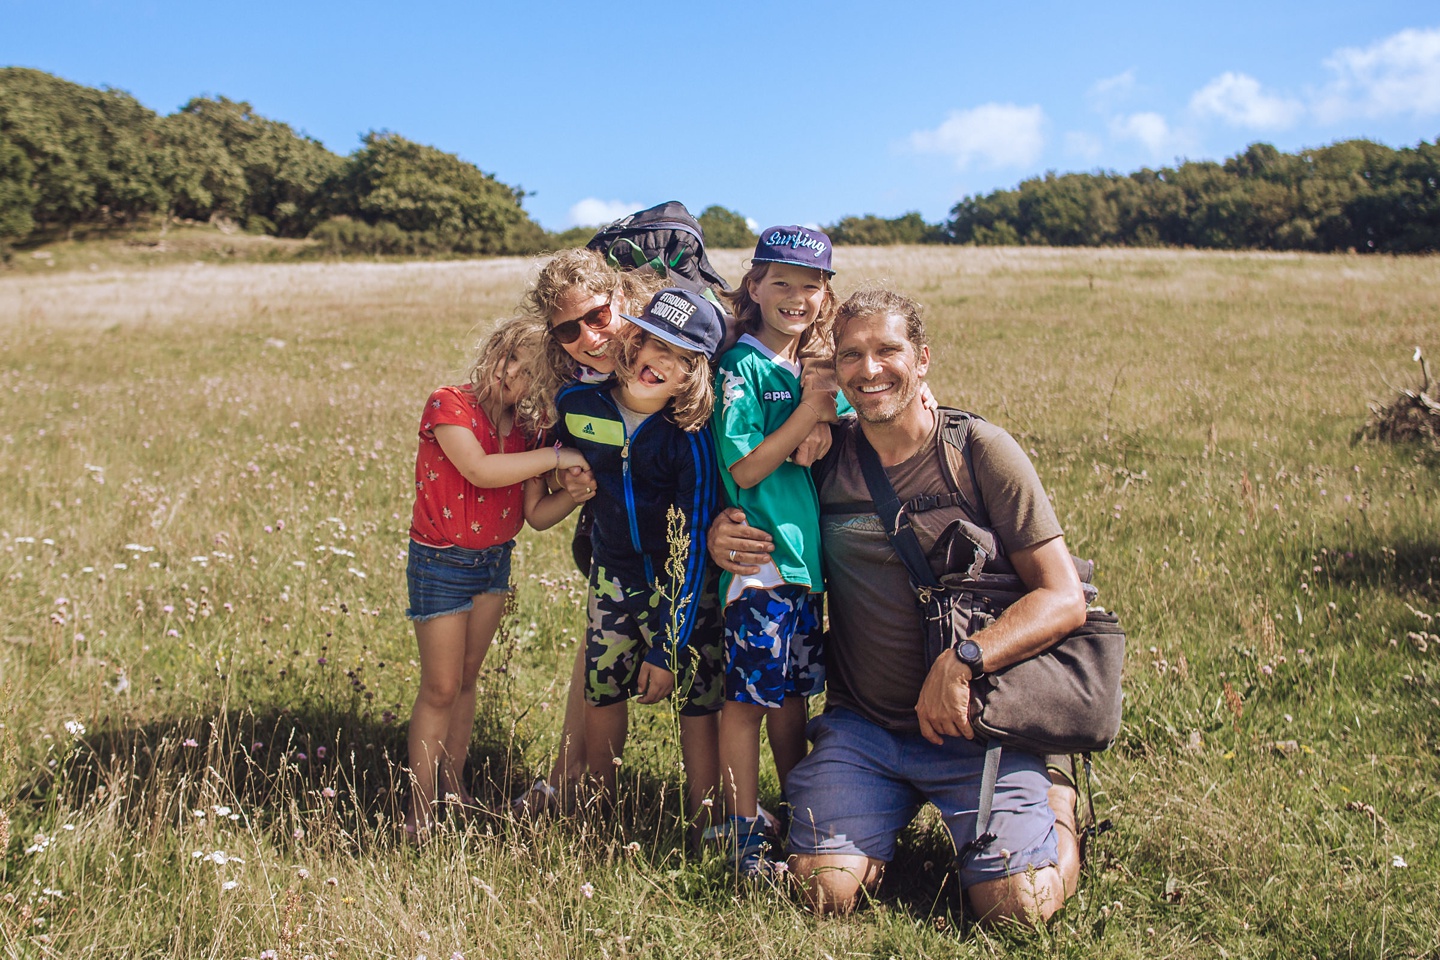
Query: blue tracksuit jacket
{"points": [[638, 477]]}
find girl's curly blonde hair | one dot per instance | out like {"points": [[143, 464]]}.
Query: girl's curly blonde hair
{"points": [[690, 407], [816, 341], [508, 339], [569, 272]]}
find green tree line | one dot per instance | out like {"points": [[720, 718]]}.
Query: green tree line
{"points": [[1352, 195], [76, 156]]}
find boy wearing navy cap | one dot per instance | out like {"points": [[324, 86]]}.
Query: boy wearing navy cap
{"points": [[644, 441]]}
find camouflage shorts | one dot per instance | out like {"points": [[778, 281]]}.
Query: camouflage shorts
{"points": [[773, 645], [622, 630]]}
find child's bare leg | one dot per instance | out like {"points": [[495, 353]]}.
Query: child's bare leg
{"points": [[480, 626], [605, 731], [570, 761], [786, 730], [700, 755], [442, 644], [740, 756]]}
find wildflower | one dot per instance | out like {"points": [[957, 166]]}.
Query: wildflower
{"points": [[424, 936], [269, 955], [1267, 669], [257, 746], [588, 889], [190, 742], [301, 756], [197, 854], [172, 633], [632, 847], [199, 814], [168, 608], [320, 752], [1398, 862], [321, 661], [75, 728], [303, 874], [299, 834], [457, 955], [328, 793], [332, 882], [229, 885], [222, 811]]}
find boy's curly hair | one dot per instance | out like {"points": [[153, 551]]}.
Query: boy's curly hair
{"points": [[566, 273], [690, 407], [509, 338], [816, 341]]}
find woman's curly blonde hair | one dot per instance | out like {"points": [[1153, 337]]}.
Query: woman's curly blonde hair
{"points": [[816, 341], [508, 339], [691, 405], [568, 272]]}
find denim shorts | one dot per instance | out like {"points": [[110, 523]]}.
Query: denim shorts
{"points": [[861, 785], [446, 580]]}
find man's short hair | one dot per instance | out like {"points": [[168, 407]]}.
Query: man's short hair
{"points": [[873, 302]]}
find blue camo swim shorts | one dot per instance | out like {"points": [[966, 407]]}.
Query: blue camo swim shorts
{"points": [[773, 645]]}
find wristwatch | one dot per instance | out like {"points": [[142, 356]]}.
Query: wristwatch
{"points": [[968, 652]]}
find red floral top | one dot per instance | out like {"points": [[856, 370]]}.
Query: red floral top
{"points": [[450, 511]]}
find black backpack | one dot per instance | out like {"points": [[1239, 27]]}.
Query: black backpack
{"points": [[667, 239]]}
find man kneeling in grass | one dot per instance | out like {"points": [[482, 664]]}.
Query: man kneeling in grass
{"points": [[896, 733]]}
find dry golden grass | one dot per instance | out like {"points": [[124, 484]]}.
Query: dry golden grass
{"points": [[205, 478]]}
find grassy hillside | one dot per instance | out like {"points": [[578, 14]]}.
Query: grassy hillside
{"points": [[205, 476]]}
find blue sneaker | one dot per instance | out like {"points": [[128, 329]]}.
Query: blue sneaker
{"points": [[749, 848]]}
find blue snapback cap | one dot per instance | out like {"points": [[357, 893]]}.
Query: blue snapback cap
{"points": [[684, 319], [794, 244]]}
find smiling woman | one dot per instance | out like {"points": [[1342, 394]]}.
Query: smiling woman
{"points": [[581, 300]]}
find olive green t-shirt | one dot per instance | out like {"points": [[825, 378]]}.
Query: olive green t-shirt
{"points": [[875, 650]]}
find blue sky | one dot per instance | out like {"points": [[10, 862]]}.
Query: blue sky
{"points": [[784, 112]]}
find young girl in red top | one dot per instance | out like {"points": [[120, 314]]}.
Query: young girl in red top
{"points": [[477, 479]]}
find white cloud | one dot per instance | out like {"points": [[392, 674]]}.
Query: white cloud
{"points": [[1111, 89], [1087, 146], [1150, 129], [752, 224], [593, 212], [1395, 76], [996, 134], [1238, 100]]}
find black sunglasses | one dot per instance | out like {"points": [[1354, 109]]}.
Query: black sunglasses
{"points": [[597, 319]]}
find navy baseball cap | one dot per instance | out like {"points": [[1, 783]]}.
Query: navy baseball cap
{"points": [[794, 244], [684, 319]]}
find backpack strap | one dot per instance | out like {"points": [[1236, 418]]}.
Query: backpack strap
{"points": [[988, 778], [897, 525]]}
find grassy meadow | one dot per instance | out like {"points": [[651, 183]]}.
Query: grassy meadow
{"points": [[205, 672]]}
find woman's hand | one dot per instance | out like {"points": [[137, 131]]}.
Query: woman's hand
{"points": [[737, 547], [579, 482]]}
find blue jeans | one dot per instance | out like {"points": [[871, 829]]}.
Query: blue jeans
{"points": [[445, 580], [862, 784]]}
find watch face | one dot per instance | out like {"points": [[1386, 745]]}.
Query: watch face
{"points": [[970, 651]]}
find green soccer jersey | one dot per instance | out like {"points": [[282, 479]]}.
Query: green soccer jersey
{"points": [[755, 393]]}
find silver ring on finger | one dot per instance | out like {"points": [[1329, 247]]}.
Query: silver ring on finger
{"points": [[732, 556]]}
